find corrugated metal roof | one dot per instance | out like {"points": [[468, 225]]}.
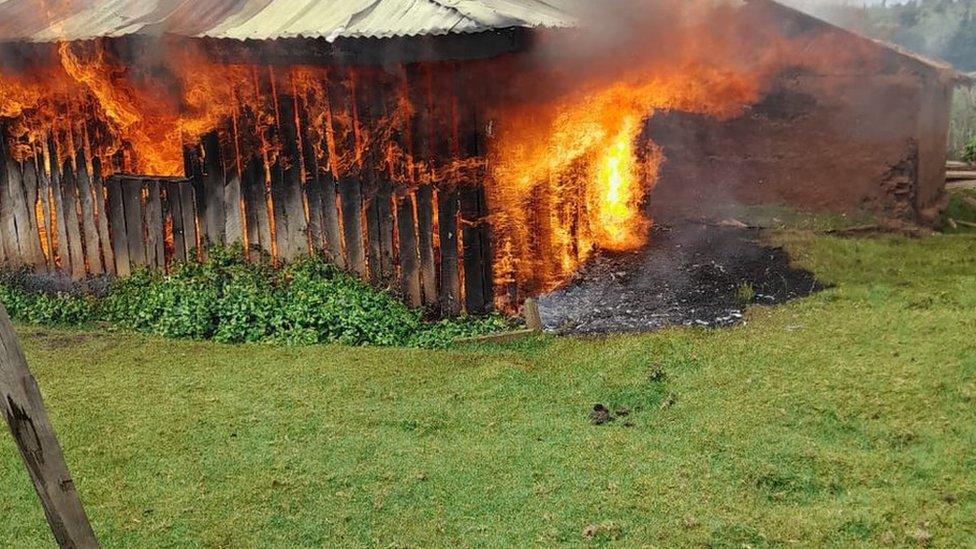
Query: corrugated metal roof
{"points": [[31, 20]]}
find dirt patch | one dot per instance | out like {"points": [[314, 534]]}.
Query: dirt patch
{"points": [[690, 275], [56, 341]]}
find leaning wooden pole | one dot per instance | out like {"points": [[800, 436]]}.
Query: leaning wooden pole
{"points": [[24, 411]]}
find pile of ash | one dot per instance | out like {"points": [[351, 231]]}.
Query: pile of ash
{"points": [[692, 275]]}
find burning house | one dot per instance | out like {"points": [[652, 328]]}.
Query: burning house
{"points": [[468, 153]]}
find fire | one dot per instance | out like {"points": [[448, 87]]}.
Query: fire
{"points": [[563, 152], [618, 192]]}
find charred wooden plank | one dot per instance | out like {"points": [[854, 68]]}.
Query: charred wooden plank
{"points": [[102, 216], [314, 189], [48, 225], [213, 182], [425, 244], [69, 194], [25, 415], [188, 209], [193, 167], [476, 235], [58, 217], [447, 214], [342, 96], [8, 227], [291, 194], [31, 199], [352, 224], [27, 242], [255, 208], [409, 258], [233, 214], [134, 222], [155, 243], [116, 218], [174, 207], [93, 253]]}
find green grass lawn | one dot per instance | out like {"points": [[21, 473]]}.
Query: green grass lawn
{"points": [[848, 418]]}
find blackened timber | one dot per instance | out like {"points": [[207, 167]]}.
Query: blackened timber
{"points": [[26, 243], [314, 189], [342, 97], [193, 168], [255, 207], [58, 205], [188, 208], [409, 258], [47, 227], [425, 243], [69, 194], [8, 230], [38, 259], [174, 207], [119, 236], [93, 255], [383, 187], [476, 234], [233, 218], [447, 212], [292, 194], [211, 196], [134, 229], [155, 244], [418, 86], [102, 216]]}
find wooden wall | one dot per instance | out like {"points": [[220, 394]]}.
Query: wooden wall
{"points": [[403, 207]]}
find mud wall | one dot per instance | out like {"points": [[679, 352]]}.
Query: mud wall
{"points": [[842, 138]]}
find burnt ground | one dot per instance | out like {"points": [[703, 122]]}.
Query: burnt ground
{"points": [[689, 275]]}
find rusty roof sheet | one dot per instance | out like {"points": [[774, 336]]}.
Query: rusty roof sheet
{"points": [[36, 21]]}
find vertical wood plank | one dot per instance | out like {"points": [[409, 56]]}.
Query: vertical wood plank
{"points": [[134, 228], [92, 243], [425, 244], [233, 215], [57, 205], [213, 182], [119, 235], [447, 214], [27, 245], [476, 234], [342, 92], [8, 226], [193, 167], [155, 244], [48, 224], [69, 194], [175, 207], [38, 259], [291, 194], [409, 258], [102, 217], [188, 209], [255, 208]]}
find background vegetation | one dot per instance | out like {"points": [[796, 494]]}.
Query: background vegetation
{"points": [[230, 300]]}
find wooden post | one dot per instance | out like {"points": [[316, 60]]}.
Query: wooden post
{"points": [[23, 410]]}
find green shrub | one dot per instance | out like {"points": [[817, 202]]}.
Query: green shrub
{"points": [[231, 300], [969, 151]]}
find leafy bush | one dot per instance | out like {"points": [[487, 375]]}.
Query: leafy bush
{"points": [[969, 151], [228, 299]]}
